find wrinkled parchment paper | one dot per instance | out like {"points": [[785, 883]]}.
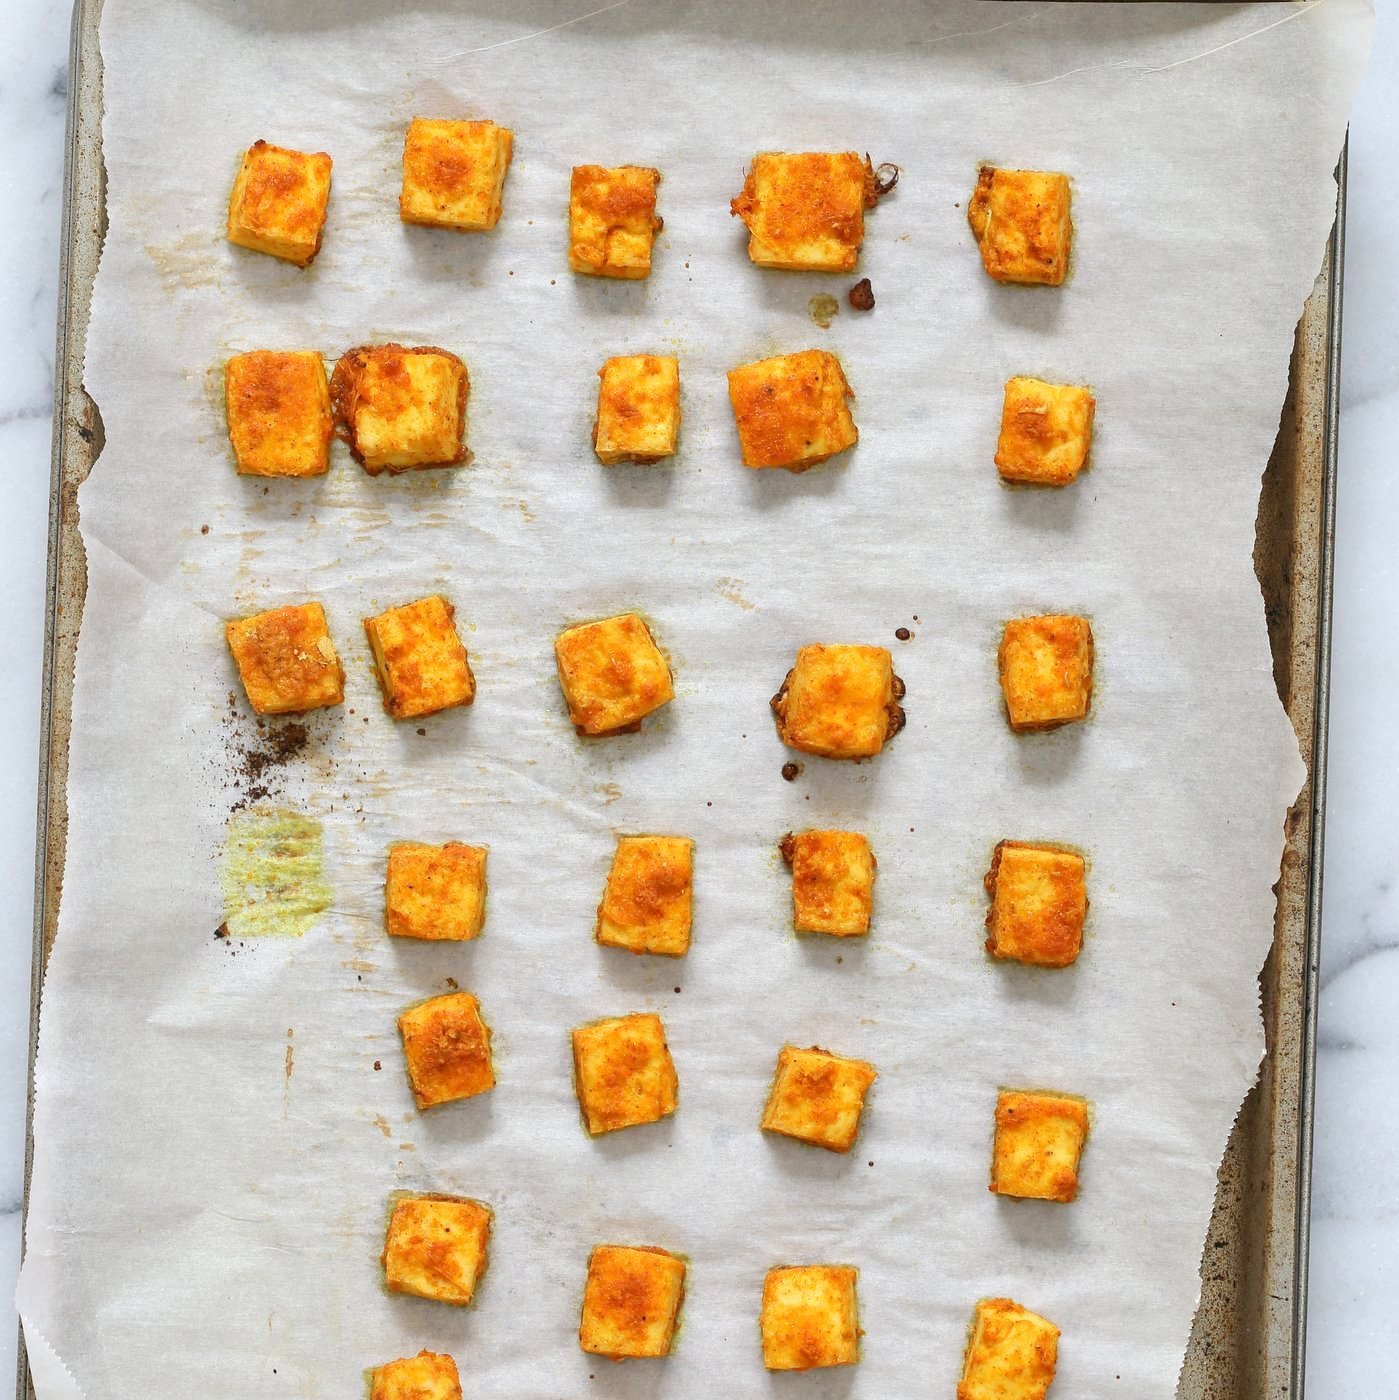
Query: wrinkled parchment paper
{"points": [[219, 1128]]}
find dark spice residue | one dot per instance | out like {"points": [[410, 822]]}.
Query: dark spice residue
{"points": [[861, 295], [255, 751], [791, 771]]}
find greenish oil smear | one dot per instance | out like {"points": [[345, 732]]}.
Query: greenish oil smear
{"points": [[271, 874]]}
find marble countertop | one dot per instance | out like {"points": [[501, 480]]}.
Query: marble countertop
{"points": [[1355, 1201]]}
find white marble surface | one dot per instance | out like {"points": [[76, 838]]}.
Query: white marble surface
{"points": [[1355, 1209]]}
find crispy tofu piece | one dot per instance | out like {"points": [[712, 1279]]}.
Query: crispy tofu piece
{"points": [[286, 660], [1022, 224], [1046, 430], [817, 1097], [279, 201], [612, 673], [623, 1072], [1038, 904], [421, 662], [1046, 666], [638, 409], [809, 1317], [427, 1376], [631, 1301], [1039, 1139], [453, 173], [806, 212], [646, 906], [832, 881], [840, 701], [278, 406], [791, 411], [448, 1049], [435, 1247], [435, 892], [401, 409], [1011, 1353], [612, 221]]}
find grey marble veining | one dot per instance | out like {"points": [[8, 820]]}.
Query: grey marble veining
{"points": [[1355, 1221]]}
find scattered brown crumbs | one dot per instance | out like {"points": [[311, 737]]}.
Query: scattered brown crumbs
{"points": [[861, 295]]}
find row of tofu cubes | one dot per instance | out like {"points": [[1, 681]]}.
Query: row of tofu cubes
{"points": [[805, 211], [403, 408], [1037, 892], [839, 700], [808, 1318]]}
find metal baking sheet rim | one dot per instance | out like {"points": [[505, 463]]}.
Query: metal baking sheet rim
{"points": [[1250, 1329]]}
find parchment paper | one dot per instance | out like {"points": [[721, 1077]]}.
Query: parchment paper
{"points": [[219, 1127]]}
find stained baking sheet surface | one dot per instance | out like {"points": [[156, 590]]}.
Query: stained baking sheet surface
{"points": [[934, 1150]]}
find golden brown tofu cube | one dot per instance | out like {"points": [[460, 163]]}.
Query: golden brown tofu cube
{"points": [[817, 1097], [279, 201], [401, 409], [631, 1300], [448, 1049], [612, 673], [806, 211], [1039, 1139], [435, 1247], [286, 660], [420, 660], [427, 1376], [840, 701], [832, 881], [809, 1317], [435, 892], [1046, 666], [1011, 1353], [612, 220], [453, 173], [278, 405], [1038, 904], [646, 906], [623, 1072], [791, 410], [638, 409], [1045, 432], [1022, 224]]}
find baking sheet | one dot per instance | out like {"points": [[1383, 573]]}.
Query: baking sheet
{"points": [[749, 962]]}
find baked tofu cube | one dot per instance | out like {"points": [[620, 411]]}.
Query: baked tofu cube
{"points": [[1045, 432], [286, 660], [638, 409], [401, 409], [817, 1097], [839, 701], [832, 881], [435, 892], [612, 220], [806, 212], [279, 201], [448, 1049], [646, 906], [791, 410], [623, 1072], [278, 405], [1010, 1354], [1039, 1139], [427, 1376], [809, 1318], [612, 673], [421, 662], [1021, 221], [1038, 904], [631, 1300], [453, 173], [1046, 666], [435, 1247]]}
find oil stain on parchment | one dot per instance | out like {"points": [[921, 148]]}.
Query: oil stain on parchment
{"points": [[271, 874]]}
